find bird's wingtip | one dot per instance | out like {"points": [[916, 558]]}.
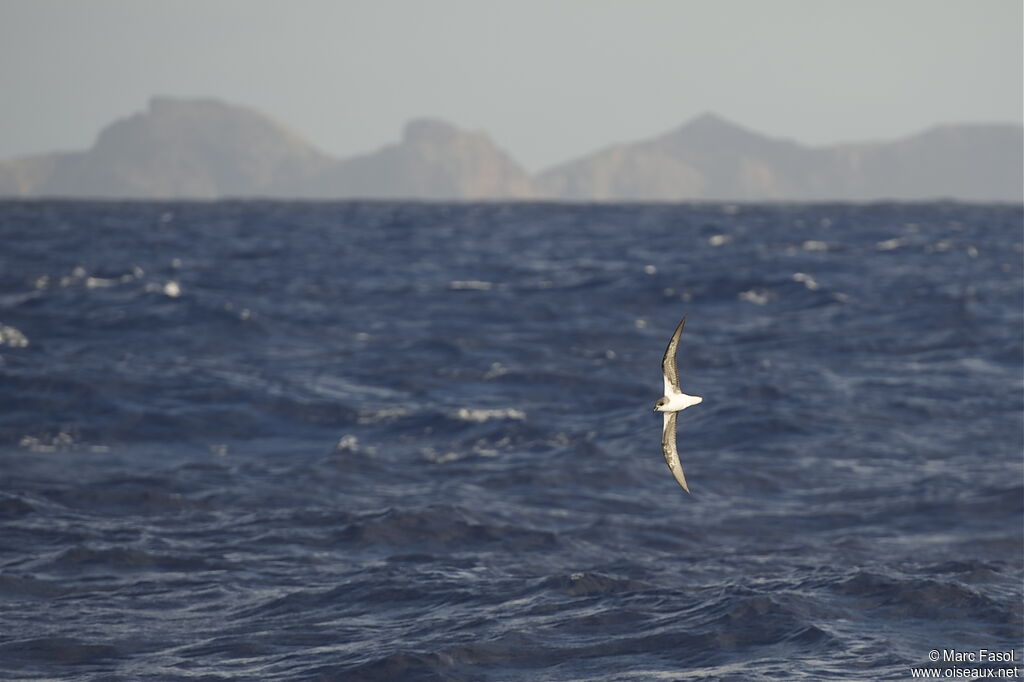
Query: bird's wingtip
{"points": [[681, 479]]}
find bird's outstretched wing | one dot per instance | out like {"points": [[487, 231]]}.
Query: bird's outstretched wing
{"points": [[668, 363], [668, 446]]}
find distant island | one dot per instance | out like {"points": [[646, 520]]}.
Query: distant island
{"points": [[207, 149]]}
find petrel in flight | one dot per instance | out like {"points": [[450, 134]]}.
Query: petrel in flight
{"points": [[673, 401]]}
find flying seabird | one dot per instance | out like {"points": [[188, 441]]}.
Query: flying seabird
{"points": [[673, 401]]}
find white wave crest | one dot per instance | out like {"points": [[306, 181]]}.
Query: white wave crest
{"points": [[475, 415], [9, 336]]}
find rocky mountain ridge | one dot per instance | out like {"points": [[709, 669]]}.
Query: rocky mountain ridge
{"points": [[207, 149]]}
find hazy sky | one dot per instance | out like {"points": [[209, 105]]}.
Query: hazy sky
{"points": [[548, 79]]}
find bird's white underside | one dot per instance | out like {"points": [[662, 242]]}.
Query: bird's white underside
{"points": [[678, 401]]}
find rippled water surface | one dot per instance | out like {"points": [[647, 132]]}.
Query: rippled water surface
{"points": [[415, 442]]}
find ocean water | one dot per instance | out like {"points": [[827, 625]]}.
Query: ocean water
{"points": [[385, 441]]}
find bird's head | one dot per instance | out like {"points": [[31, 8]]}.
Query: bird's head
{"points": [[660, 404]]}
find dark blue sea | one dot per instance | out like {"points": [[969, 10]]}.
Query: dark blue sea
{"points": [[400, 441]]}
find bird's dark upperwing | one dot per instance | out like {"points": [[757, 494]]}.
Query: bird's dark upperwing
{"points": [[668, 446], [668, 363]]}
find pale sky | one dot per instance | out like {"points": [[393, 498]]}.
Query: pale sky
{"points": [[550, 80]]}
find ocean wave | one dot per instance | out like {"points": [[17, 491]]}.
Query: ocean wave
{"points": [[415, 441]]}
